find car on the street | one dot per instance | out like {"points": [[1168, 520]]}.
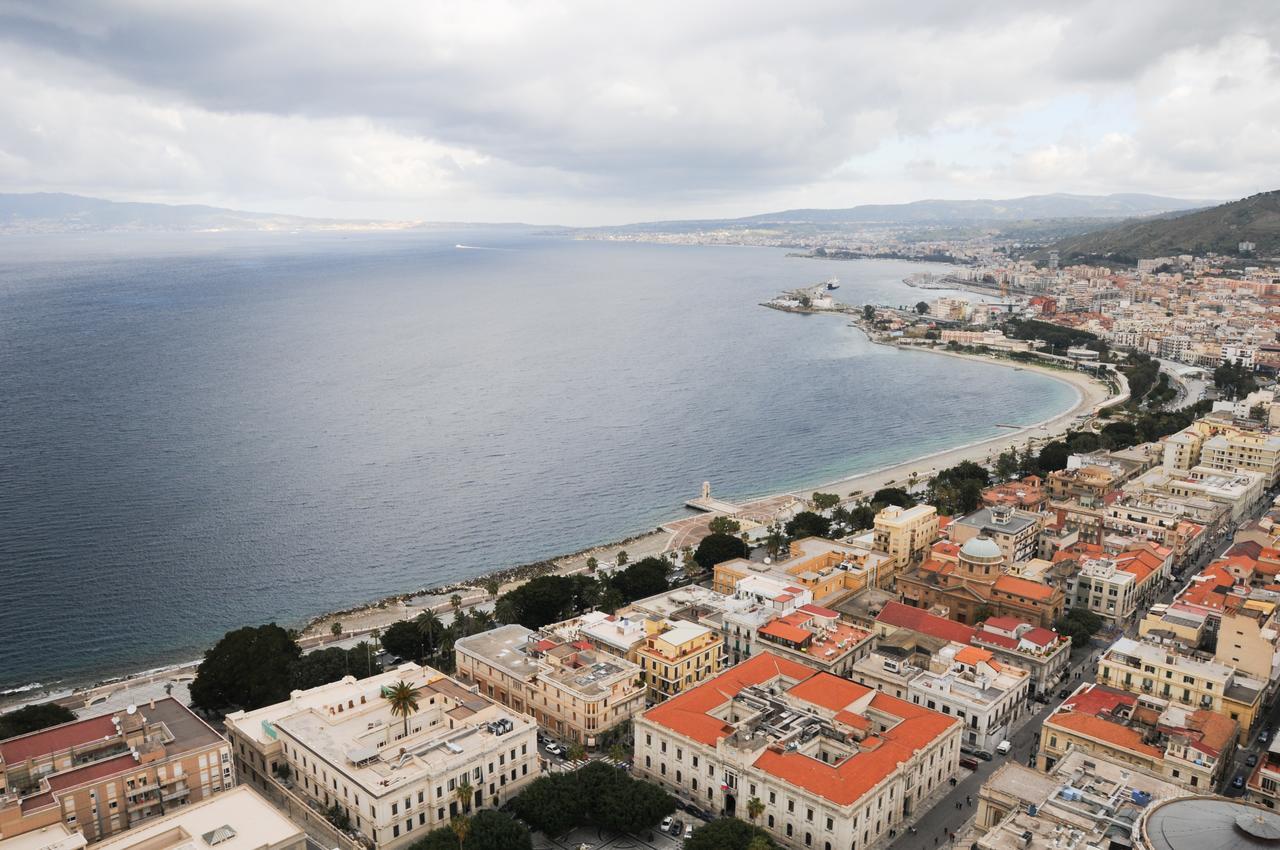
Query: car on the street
{"points": [[677, 828], [1064, 693], [983, 754], [1252, 760], [1238, 781], [969, 762], [1264, 736], [554, 749], [968, 750], [688, 831], [1003, 747], [666, 823]]}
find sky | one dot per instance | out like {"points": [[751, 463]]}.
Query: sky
{"points": [[587, 113]]}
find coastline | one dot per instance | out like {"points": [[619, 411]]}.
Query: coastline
{"points": [[361, 620]]}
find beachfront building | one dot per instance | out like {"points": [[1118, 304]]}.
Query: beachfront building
{"points": [[105, 774], [395, 778], [835, 764], [1192, 747], [905, 534], [989, 338], [1087, 797], [1166, 675], [571, 690], [1028, 494], [677, 655], [959, 680], [1016, 532], [976, 585]]}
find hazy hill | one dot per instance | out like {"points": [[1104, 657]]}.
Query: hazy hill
{"points": [[1014, 209], [1218, 229], [60, 213]]}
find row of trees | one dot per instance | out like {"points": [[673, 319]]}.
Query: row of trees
{"points": [[33, 718]]}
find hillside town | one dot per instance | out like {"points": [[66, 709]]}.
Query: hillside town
{"points": [[1075, 644]]}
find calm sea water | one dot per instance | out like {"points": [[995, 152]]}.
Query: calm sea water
{"points": [[203, 432]]}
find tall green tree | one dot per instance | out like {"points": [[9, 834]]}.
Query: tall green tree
{"points": [[33, 718], [717, 548], [247, 668]]}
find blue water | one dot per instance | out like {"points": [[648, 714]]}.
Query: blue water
{"points": [[200, 432]]}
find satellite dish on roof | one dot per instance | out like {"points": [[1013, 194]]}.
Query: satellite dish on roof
{"points": [[132, 709]]}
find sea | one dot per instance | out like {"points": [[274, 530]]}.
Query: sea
{"points": [[203, 431]]}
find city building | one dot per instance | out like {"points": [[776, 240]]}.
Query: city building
{"points": [[1028, 494], [394, 777], [826, 569], [816, 638], [1192, 747], [109, 773], [959, 680], [1015, 532], [1263, 786], [677, 655], [571, 690], [1193, 823], [1165, 675], [1117, 587], [1087, 799], [835, 764], [977, 585], [238, 819], [906, 533]]}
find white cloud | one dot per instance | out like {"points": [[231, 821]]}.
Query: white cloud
{"points": [[573, 111]]}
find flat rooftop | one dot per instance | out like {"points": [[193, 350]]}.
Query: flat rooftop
{"points": [[237, 819]]}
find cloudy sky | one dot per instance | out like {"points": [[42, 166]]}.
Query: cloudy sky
{"points": [[591, 112]]}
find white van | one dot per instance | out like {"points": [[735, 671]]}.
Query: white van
{"points": [[1003, 747]]}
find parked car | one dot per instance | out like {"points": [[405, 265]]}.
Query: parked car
{"points": [[666, 824], [1238, 782], [969, 762], [1264, 736], [983, 754], [1003, 747], [1064, 693], [554, 749], [968, 750], [1252, 759], [677, 828], [688, 831]]}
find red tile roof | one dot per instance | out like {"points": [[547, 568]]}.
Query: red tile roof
{"points": [[785, 631], [920, 620], [1040, 636], [56, 738], [1005, 624], [819, 611]]}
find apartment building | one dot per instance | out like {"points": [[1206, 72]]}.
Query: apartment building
{"points": [[1239, 492], [1218, 443], [1088, 484], [1028, 494], [678, 655], [835, 764], [906, 533], [1118, 586], [1192, 747], [824, 568], [395, 778], [571, 690], [1263, 786], [1167, 675], [106, 774], [1015, 532], [960, 681], [1249, 637]]}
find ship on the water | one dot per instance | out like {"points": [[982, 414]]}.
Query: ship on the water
{"points": [[832, 283]]}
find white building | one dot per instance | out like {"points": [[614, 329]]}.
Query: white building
{"points": [[395, 778]]}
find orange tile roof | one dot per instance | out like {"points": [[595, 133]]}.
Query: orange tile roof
{"points": [[1022, 587], [843, 783], [972, 656], [54, 739], [1115, 734], [920, 620], [687, 715], [783, 630]]}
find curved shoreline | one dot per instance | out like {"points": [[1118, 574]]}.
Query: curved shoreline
{"points": [[363, 618]]}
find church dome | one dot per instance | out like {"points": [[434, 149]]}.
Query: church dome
{"points": [[981, 550]]}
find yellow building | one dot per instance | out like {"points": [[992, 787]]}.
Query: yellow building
{"points": [[1172, 677], [677, 656], [906, 533], [823, 567], [1247, 639]]}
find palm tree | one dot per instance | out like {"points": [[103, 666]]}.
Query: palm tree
{"points": [[403, 698], [456, 602], [461, 826], [430, 627], [755, 808], [464, 793], [492, 586]]}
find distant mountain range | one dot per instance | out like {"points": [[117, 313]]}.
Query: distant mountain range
{"points": [[1219, 229], [60, 213]]}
